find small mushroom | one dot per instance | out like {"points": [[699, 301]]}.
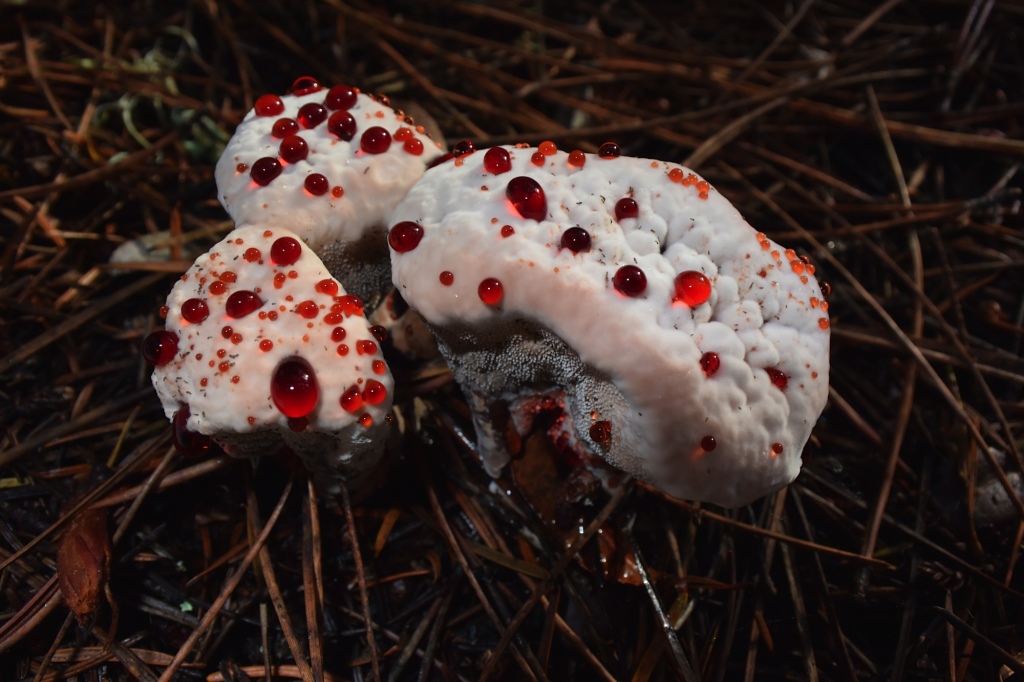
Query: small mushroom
{"points": [[687, 348], [262, 349], [329, 164]]}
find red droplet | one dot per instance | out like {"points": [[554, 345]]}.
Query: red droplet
{"points": [[217, 288], [228, 277], [375, 140], [609, 150], [601, 432], [265, 170], [379, 333], [538, 159], [308, 310], [236, 339], [413, 146], [241, 303], [403, 134], [576, 239], [341, 97], [379, 367], [708, 443], [826, 288], [284, 127], [337, 334], [188, 443], [327, 286], [366, 347], [366, 421], [333, 318], [304, 85], [776, 449], [497, 161], [710, 362], [527, 197], [195, 310], [577, 158], [316, 184], [507, 231], [269, 105], [241, 167], [163, 312], [342, 350], [293, 149], [266, 345], [491, 291], [226, 332], [405, 236], [446, 277], [252, 255], [342, 124], [692, 288], [311, 115], [337, 192], [383, 99], [160, 347], [352, 399], [463, 148], [626, 208], [676, 175], [293, 388], [777, 377], [285, 251], [350, 304], [630, 280], [547, 148], [374, 393]]}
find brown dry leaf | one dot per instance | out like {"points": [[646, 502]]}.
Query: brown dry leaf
{"points": [[83, 563]]}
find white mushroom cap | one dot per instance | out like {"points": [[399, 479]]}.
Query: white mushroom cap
{"points": [[329, 164], [251, 320], [706, 382]]}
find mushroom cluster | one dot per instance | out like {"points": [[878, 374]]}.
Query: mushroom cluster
{"points": [[681, 345], [686, 347]]}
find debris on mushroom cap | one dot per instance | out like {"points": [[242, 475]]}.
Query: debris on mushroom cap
{"points": [[330, 164], [692, 350], [263, 349]]}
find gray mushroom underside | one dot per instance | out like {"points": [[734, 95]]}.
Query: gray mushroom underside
{"points": [[518, 359]]}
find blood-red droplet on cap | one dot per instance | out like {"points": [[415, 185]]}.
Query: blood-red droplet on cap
{"points": [[692, 288], [577, 158], [709, 363], [327, 286], [626, 208], [341, 97], [265, 170], [527, 197], [609, 150], [463, 147], [413, 145], [491, 291], [311, 115], [375, 392], [269, 105], [304, 85], [777, 377], [188, 443], [283, 127], [285, 251], [375, 140], [708, 443], [352, 399], [379, 333], [497, 161], [293, 388], [293, 149], [342, 124], [195, 310], [316, 184], [630, 280], [241, 303], [160, 347], [446, 277], [576, 239], [308, 309], [405, 236], [252, 255]]}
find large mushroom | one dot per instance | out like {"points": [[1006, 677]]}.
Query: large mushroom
{"points": [[328, 164], [686, 347], [263, 348]]}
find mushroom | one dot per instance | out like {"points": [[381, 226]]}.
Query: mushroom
{"points": [[328, 164], [685, 347], [262, 349]]}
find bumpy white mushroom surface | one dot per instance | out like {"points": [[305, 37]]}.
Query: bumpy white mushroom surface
{"points": [[329, 164], [691, 350], [263, 348]]}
